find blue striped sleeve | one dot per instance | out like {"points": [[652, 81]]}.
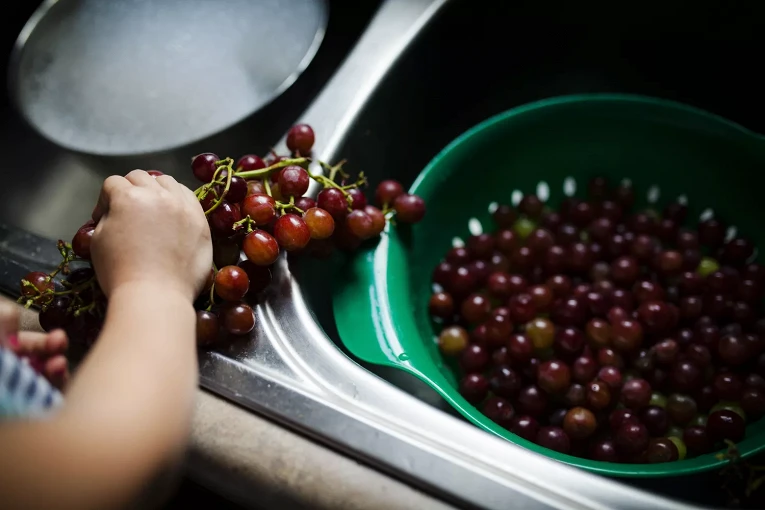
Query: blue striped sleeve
{"points": [[24, 392]]}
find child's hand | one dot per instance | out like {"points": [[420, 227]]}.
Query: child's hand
{"points": [[150, 231], [44, 351]]}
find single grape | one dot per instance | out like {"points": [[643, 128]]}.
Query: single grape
{"points": [[300, 138], [378, 219], [409, 208], [532, 401], [725, 424], [521, 308], [579, 423], [686, 376], [583, 369], [531, 206], [576, 396], [474, 358], [625, 271], [728, 386], [554, 438], [611, 376], [541, 297], [225, 252], [627, 335], [261, 209], [320, 223], [231, 283], [526, 427], [569, 312], [520, 348], [505, 382], [334, 202], [250, 162], [222, 219], [604, 450], [208, 327], [666, 351], [737, 251], [504, 216], [636, 393], [81, 242], [569, 342], [41, 289], [498, 330], [291, 232], [656, 420], [646, 290], [358, 199], [660, 450], [523, 227], [681, 409], [506, 241], [753, 402], [360, 224], [474, 388], [598, 395], [237, 318], [452, 340], [631, 438], [387, 191], [261, 248], [707, 266], [697, 440], [598, 333], [733, 350], [56, 314], [441, 305], [553, 376], [293, 181], [500, 411], [260, 277], [203, 166], [475, 308]]}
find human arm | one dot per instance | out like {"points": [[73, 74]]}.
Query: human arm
{"points": [[129, 406]]}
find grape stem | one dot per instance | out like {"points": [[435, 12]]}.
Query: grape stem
{"points": [[263, 172], [289, 206], [228, 162], [244, 221]]}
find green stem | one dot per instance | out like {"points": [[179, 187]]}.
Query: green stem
{"points": [[267, 186], [255, 174]]}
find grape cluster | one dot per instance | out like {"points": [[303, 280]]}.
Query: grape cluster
{"points": [[256, 207], [604, 333]]}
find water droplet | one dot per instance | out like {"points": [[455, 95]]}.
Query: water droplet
{"points": [[493, 206], [543, 191], [653, 194], [403, 356], [731, 233], [706, 214], [682, 200], [475, 227], [569, 186], [457, 242], [437, 288], [516, 197]]}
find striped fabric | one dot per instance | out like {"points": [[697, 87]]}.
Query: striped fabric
{"points": [[23, 392]]}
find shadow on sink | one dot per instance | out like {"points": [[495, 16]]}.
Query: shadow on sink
{"points": [[476, 60]]}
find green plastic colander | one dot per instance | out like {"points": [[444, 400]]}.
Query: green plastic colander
{"points": [[548, 147]]}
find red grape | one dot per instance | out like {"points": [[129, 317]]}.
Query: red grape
{"points": [[231, 283], [334, 202], [360, 224], [203, 166], [554, 438], [208, 327], [222, 219], [261, 248], [237, 318], [261, 209], [300, 138], [554, 376], [293, 181], [500, 411], [81, 242], [409, 208], [526, 427], [42, 287], [291, 232], [474, 387], [579, 423], [441, 305], [250, 162], [260, 277], [320, 223], [725, 424]]}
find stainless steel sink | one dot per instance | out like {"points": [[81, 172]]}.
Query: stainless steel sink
{"points": [[422, 72]]}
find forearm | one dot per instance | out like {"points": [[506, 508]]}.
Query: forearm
{"points": [[126, 416]]}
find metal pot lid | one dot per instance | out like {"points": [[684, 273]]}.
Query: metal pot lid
{"points": [[129, 77]]}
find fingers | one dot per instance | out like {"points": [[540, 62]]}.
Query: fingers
{"points": [[111, 184], [141, 178], [41, 345], [169, 183], [189, 195], [56, 370], [9, 323]]}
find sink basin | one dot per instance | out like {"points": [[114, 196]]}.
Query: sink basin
{"points": [[423, 72]]}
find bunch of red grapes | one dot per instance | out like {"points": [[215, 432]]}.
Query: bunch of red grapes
{"points": [[256, 207], [605, 334]]}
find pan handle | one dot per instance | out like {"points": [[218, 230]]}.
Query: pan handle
{"points": [[393, 28]]}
